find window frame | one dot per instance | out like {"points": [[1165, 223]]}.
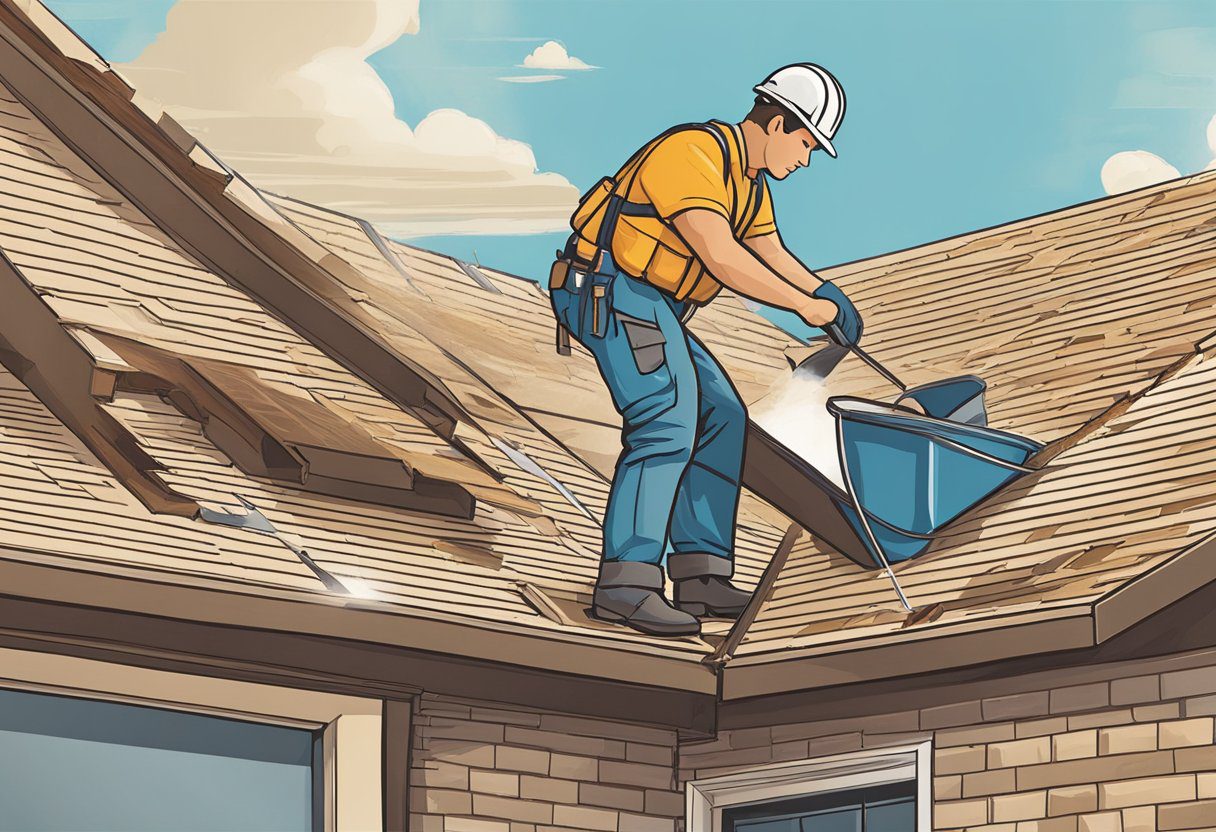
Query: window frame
{"points": [[350, 750], [706, 798]]}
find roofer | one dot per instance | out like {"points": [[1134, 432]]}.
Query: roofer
{"points": [[688, 213]]}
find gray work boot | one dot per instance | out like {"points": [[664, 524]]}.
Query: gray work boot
{"points": [[710, 595], [632, 594], [702, 585]]}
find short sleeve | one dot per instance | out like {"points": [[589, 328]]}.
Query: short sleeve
{"points": [[685, 170], [765, 222]]}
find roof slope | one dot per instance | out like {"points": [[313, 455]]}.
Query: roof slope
{"points": [[1063, 314], [1006, 563], [1068, 316], [515, 577]]}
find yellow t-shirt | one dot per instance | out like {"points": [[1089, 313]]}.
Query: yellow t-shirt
{"points": [[681, 171]]}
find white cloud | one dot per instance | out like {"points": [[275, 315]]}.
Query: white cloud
{"points": [[530, 79], [552, 55], [1132, 169], [306, 115]]}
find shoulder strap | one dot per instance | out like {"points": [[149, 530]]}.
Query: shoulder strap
{"points": [[761, 189], [616, 202], [643, 209], [716, 132]]}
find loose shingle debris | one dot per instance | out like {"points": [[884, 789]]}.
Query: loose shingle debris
{"points": [[477, 276], [468, 553], [543, 604], [387, 253], [531, 466]]}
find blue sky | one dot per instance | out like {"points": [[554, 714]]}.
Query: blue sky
{"points": [[961, 113]]}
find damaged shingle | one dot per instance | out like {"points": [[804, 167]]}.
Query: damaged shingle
{"points": [[478, 277], [387, 253]]}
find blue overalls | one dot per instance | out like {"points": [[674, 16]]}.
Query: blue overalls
{"points": [[676, 488]]}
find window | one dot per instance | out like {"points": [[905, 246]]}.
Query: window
{"points": [[68, 763], [875, 790], [890, 808], [91, 745]]}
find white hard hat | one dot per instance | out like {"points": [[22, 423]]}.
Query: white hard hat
{"points": [[813, 94]]}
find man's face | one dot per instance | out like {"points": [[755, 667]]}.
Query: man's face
{"points": [[786, 152]]}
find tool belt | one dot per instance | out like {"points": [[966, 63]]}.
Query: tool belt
{"points": [[567, 266], [567, 261]]}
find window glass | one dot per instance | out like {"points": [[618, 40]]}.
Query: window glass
{"points": [[77, 764], [848, 820], [781, 825], [891, 817], [888, 808]]}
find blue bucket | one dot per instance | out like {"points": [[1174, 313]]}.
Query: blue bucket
{"points": [[908, 475], [959, 399]]}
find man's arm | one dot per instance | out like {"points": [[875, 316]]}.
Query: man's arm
{"points": [[709, 236], [770, 249]]}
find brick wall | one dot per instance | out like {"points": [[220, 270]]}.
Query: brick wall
{"points": [[477, 767], [1130, 753]]}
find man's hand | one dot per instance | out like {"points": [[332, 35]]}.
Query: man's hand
{"points": [[846, 326], [817, 312]]}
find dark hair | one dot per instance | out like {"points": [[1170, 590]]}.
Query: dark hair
{"points": [[766, 109]]}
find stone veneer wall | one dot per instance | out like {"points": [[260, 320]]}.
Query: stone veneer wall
{"points": [[1132, 752], [481, 767]]}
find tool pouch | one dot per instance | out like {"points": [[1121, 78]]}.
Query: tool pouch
{"points": [[559, 273]]}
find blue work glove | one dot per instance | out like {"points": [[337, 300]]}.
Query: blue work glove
{"points": [[846, 328]]}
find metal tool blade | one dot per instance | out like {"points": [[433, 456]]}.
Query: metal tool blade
{"points": [[254, 521], [820, 364]]}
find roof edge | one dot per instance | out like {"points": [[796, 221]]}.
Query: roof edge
{"points": [[1068, 627], [1175, 578], [943, 650], [256, 609]]}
